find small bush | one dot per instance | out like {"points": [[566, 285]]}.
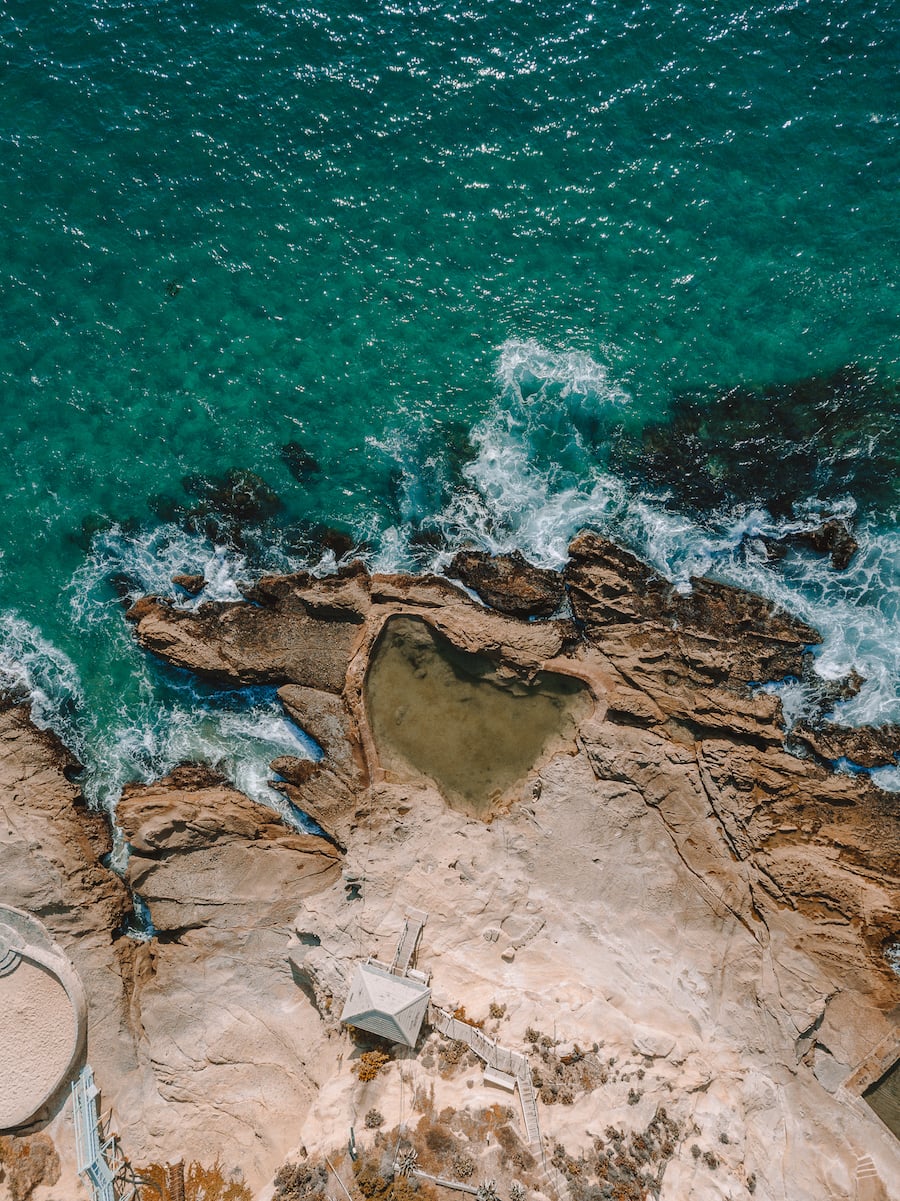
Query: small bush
{"points": [[710, 1160], [294, 1181], [439, 1139], [633, 1096], [369, 1180], [695, 1151], [370, 1064], [374, 1119], [496, 1010], [463, 1167], [194, 1182], [531, 1035]]}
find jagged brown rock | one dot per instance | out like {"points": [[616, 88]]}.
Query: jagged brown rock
{"points": [[240, 644], [509, 583], [680, 667], [192, 583], [865, 746], [673, 880], [833, 538]]}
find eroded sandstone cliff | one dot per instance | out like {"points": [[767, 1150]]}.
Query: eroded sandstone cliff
{"points": [[671, 883]]}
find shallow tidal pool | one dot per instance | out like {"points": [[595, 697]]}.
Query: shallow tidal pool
{"points": [[451, 716]]}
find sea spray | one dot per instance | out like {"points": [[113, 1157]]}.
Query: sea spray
{"points": [[531, 486], [35, 672]]}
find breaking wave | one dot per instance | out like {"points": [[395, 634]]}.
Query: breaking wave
{"points": [[540, 465], [544, 467], [34, 671]]}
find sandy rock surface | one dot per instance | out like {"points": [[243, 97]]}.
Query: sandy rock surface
{"points": [[200, 1039], [671, 886]]}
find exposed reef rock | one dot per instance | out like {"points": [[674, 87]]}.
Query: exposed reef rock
{"points": [[51, 842], [509, 583], [833, 538], [672, 673], [864, 746], [204, 856], [244, 644], [723, 636], [191, 583], [666, 883], [701, 743]]}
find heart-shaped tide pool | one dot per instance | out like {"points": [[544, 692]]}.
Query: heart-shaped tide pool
{"points": [[449, 715]]}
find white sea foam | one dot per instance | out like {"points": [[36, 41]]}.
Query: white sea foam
{"points": [[155, 728], [537, 478], [146, 560], [538, 475], [237, 742], [32, 670]]}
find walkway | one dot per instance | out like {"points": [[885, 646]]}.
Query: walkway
{"points": [[100, 1161], [514, 1063], [409, 939]]}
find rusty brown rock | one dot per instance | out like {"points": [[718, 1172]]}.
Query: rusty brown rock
{"points": [[866, 746], [192, 584], [734, 636], [509, 583]]}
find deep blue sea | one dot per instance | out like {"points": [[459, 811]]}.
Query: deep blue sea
{"points": [[469, 272]]}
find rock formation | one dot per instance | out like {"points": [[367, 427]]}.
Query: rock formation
{"points": [[510, 584], [204, 1019], [669, 885]]}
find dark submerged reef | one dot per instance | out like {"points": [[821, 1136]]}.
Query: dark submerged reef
{"points": [[825, 437]]}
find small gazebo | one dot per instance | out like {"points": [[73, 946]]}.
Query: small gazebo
{"points": [[386, 1004]]}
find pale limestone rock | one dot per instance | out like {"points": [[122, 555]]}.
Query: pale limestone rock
{"points": [[705, 900]]}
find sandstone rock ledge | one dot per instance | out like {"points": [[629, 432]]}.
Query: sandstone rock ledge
{"points": [[706, 908], [200, 1039]]}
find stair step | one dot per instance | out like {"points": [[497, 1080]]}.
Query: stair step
{"points": [[9, 960]]}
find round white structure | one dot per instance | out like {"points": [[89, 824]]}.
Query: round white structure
{"points": [[42, 1017]]}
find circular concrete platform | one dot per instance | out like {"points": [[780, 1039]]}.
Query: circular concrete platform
{"points": [[42, 1017]]}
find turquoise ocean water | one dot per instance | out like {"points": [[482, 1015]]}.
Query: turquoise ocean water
{"points": [[495, 269]]}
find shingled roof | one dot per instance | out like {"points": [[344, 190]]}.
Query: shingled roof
{"points": [[393, 1007]]}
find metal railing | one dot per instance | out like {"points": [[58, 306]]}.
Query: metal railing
{"points": [[99, 1158]]}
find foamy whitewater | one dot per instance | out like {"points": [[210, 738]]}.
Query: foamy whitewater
{"points": [[534, 481], [442, 275]]}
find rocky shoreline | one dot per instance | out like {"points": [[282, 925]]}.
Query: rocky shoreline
{"points": [[672, 882]]}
